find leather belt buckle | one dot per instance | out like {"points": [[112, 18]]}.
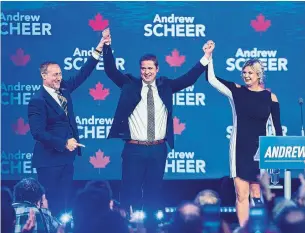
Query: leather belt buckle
{"points": [[146, 143]]}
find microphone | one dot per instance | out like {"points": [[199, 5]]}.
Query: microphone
{"points": [[301, 101]]}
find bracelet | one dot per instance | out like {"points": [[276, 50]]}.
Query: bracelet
{"points": [[97, 51]]}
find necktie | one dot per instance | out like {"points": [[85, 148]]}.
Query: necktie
{"points": [[150, 115], [63, 101]]}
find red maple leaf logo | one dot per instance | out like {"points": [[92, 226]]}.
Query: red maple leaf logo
{"points": [[98, 24], [20, 59], [260, 24], [178, 127], [21, 128], [99, 92], [175, 59], [99, 160]]}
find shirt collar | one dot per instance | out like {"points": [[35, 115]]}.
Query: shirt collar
{"points": [[153, 84], [49, 89]]}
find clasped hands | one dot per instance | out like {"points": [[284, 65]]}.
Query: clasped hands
{"points": [[106, 39], [208, 48]]}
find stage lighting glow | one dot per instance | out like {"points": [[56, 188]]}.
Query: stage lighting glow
{"points": [[138, 215], [159, 215], [170, 209], [228, 209], [66, 217]]}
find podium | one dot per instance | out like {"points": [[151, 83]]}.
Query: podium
{"points": [[287, 153]]}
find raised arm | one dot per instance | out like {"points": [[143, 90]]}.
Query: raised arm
{"points": [[109, 63], [75, 81], [189, 78], [221, 85], [192, 75]]}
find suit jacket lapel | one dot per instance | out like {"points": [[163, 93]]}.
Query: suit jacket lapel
{"points": [[160, 87], [52, 102], [138, 89], [159, 84]]}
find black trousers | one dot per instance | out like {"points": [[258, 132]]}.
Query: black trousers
{"points": [[142, 175], [58, 183]]}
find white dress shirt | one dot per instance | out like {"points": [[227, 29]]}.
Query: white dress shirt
{"points": [[52, 92], [138, 119]]}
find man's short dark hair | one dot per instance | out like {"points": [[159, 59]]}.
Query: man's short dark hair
{"points": [[28, 189], [44, 66], [149, 57], [103, 185]]}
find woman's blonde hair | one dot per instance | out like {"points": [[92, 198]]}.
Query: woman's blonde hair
{"points": [[257, 66]]}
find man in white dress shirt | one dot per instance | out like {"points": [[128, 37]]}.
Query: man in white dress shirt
{"points": [[144, 120]]}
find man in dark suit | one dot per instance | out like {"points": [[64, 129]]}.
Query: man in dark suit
{"points": [[53, 126], [144, 120]]}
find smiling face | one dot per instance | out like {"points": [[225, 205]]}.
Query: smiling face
{"points": [[252, 73], [52, 76], [250, 77], [148, 71]]}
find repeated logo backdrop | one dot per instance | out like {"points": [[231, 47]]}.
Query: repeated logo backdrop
{"points": [[33, 32]]}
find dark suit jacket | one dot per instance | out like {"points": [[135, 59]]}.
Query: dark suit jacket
{"points": [[131, 95], [51, 127]]}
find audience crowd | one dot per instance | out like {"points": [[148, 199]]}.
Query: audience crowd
{"points": [[25, 210]]}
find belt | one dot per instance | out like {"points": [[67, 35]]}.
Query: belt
{"points": [[146, 143]]}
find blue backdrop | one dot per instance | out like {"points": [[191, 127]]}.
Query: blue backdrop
{"points": [[33, 32]]}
